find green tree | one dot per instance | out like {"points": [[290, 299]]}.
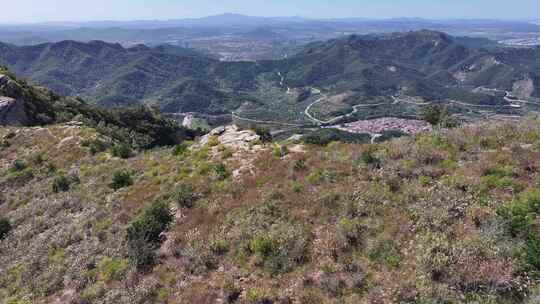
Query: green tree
{"points": [[144, 233], [121, 179], [5, 227]]}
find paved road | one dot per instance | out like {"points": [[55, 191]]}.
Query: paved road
{"points": [[234, 115], [354, 111]]}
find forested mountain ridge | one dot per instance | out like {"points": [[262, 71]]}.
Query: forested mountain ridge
{"points": [[432, 66]]}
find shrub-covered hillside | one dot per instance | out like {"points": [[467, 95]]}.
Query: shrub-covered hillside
{"points": [[22, 104], [443, 217]]}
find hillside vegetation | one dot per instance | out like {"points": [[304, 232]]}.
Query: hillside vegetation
{"points": [[441, 217], [138, 127]]}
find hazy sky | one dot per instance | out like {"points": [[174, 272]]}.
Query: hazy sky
{"points": [[80, 10]]}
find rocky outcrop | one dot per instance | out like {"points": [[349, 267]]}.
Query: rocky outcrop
{"points": [[12, 112], [244, 145], [9, 87], [12, 105], [232, 137]]}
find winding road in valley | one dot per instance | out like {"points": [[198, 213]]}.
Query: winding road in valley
{"points": [[235, 116], [354, 111]]}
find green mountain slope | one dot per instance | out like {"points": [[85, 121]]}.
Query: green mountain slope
{"points": [[139, 127], [425, 64]]}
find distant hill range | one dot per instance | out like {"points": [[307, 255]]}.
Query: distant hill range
{"points": [[427, 65], [235, 37]]}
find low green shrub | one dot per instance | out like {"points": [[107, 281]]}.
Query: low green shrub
{"points": [[315, 177], [121, 179], [17, 166], [231, 291], [323, 137], [61, 183], [112, 269], [5, 227], [438, 115], [95, 145], [263, 246], [280, 151], [490, 182], [520, 215], [10, 135], [180, 149], [121, 150], [350, 231], [37, 159], [144, 233], [532, 251], [4, 143], [222, 172], [184, 195], [264, 134], [219, 246], [368, 156], [299, 165], [386, 252], [258, 296], [213, 141]]}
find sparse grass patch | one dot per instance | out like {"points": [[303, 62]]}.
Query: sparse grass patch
{"points": [[112, 269], [259, 296], [213, 141], [315, 177], [386, 253], [180, 149]]}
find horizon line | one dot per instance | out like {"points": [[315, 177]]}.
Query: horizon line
{"points": [[456, 18]]}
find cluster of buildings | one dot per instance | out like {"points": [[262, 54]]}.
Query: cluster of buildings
{"points": [[378, 126]]}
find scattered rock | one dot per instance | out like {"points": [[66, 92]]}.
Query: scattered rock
{"points": [[295, 138], [218, 130]]}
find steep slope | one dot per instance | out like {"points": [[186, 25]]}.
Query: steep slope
{"points": [[24, 105], [108, 73], [449, 216]]}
